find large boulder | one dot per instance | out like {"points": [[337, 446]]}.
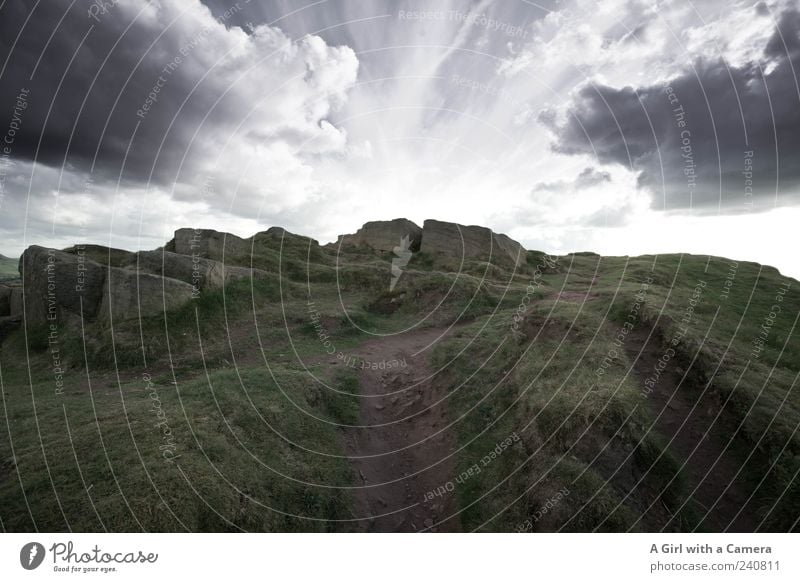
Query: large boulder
{"points": [[277, 244], [57, 285], [131, 295], [515, 251], [15, 299], [106, 256], [384, 235], [471, 242], [208, 244], [10, 299], [199, 272]]}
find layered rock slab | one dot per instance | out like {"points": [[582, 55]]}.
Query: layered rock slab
{"points": [[470, 242], [208, 244], [130, 294], [201, 273], [385, 235]]}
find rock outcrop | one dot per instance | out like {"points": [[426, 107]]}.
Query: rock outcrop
{"points": [[471, 242], [208, 244], [438, 238], [100, 283], [60, 286], [11, 299], [231, 249], [106, 256], [515, 251], [384, 235], [131, 295], [15, 299], [57, 285], [201, 273]]}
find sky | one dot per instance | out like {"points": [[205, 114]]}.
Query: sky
{"points": [[622, 127]]}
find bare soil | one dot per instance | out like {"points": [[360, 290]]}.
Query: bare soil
{"points": [[405, 451]]}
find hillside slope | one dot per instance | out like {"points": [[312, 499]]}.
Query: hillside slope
{"points": [[570, 393]]}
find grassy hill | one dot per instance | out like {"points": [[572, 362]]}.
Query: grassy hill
{"points": [[645, 394]]}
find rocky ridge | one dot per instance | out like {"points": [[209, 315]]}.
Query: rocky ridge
{"points": [[98, 283]]}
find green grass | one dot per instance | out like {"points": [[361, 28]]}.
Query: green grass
{"points": [[543, 391], [254, 428], [240, 449], [550, 382]]}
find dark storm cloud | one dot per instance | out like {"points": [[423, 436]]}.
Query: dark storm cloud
{"points": [[691, 140], [90, 71], [81, 90], [139, 89]]}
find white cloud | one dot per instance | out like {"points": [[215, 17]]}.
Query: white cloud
{"points": [[622, 42]]}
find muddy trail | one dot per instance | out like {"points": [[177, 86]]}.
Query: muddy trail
{"points": [[702, 433], [403, 454]]}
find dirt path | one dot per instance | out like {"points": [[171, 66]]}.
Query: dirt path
{"points": [[685, 412], [397, 463], [401, 455]]}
